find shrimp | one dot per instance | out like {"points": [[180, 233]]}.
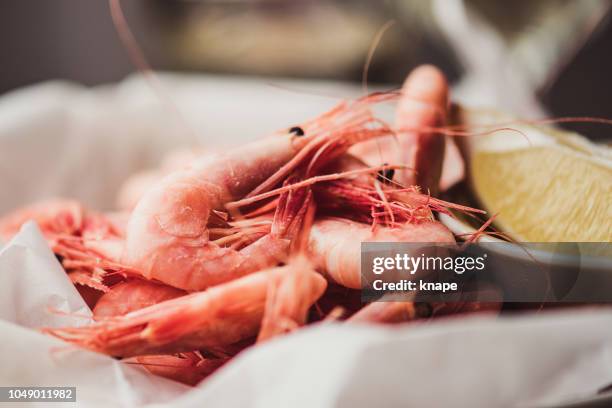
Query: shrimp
{"points": [[167, 238], [65, 224], [421, 107], [54, 217], [133, 294], [424, 104], [218, 316], [409, 310], [335, 244]]}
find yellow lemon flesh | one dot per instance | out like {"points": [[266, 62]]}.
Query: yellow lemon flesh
{"points": [[545, 184]]}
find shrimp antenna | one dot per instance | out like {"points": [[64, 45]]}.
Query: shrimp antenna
{"points": [[368, 61], [295, 90], [375, 43], [139, 60]]}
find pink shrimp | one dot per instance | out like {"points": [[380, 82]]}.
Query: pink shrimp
{"points": [[421, 107], [405, 311], [335, 244], [424, 104], [131, 295], [61, 218], [65, 225], [218, 316], [167, 238], [54, 217]]}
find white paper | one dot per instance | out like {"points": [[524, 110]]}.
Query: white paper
{"points": [[60, 139], [35, 292], [463, 362]]}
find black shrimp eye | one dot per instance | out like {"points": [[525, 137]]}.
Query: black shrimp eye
{"points": [[296, 130], [385, 175]]}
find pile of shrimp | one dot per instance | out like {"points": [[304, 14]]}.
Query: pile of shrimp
{"points": [[214, 253]]}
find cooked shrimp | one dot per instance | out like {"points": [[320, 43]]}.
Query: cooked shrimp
{"points": [[421, 107], [61, 218], [409, 310], [167, 237], [335, 244], [132, 295], [423, 104], [65, 225], [218, 316], [54, 217]]}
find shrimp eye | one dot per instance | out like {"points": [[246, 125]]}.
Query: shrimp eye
{"points": [[385, 175], [296, 130]]}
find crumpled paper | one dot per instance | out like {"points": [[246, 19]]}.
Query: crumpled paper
{"points": [[543, 360], [471, 362], [36, 293]]}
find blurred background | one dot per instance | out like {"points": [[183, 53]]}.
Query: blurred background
{"points": [[535, 58]]}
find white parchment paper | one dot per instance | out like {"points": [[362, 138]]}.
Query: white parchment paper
{"points": [[35, 292], [61, 139]]}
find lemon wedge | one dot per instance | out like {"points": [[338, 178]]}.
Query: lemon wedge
{"points": [[547, 185]]}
